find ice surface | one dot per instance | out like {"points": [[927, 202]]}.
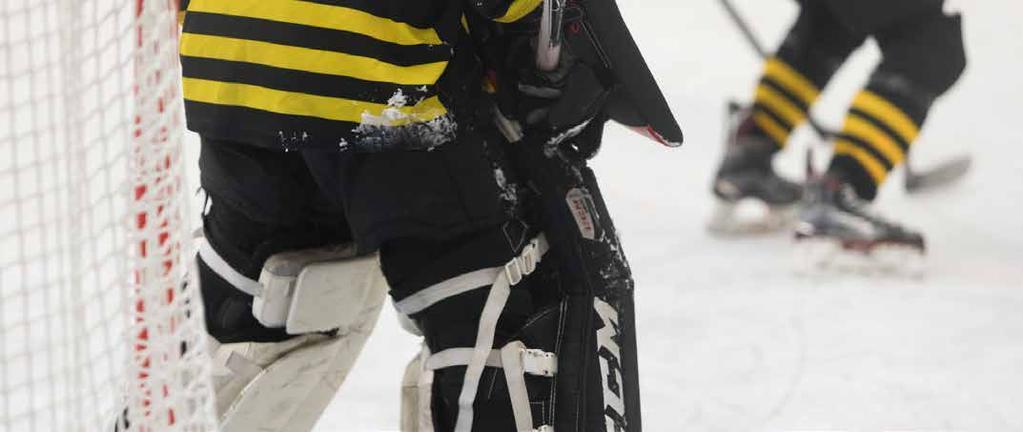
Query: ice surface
{"points": [[730, 338]]}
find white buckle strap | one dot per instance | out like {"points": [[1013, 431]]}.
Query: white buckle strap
{"points": [[514, 375], [517, 361], [228, 273], [534, 362], [539, 362], [496, 300], [514, 271], [436, 293], [525, 264], [459, 357]]}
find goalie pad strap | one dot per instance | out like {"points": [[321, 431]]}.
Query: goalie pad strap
{"points": [[224, 270], [514, 358], [515, 270], [421, 300], [496, 300], [514, 375], [533, 362]]}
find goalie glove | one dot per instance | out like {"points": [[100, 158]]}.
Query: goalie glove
{"points": [[559, 103]]}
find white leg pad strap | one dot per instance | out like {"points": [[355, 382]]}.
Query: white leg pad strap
{"points": [[514, 357], [516, 360]]}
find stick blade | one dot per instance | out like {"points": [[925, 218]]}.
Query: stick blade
{"points": [[944, 174]]}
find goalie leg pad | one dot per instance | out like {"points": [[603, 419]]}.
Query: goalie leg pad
{"points": [[285, 386], [564, 367], [503, 381]]}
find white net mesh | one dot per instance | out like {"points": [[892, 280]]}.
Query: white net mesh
{"points": [[94, 323]]}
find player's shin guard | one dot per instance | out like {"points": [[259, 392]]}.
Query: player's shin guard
{"points": [[326, 301]]}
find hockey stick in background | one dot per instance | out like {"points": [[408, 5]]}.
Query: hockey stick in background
{"points": [[916, 180]]}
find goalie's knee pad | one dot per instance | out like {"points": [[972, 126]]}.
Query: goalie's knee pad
{"points": [[327, 301]]}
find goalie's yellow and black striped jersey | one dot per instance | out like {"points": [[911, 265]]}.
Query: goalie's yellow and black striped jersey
{"points": [[329, 72]]}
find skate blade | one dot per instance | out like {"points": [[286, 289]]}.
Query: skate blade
{"points": [[828, 256], [749, 217]]}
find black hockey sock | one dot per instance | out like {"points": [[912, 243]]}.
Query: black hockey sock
{"points": [[814, 49], [783, 98], [878, 131], [922, 58]]}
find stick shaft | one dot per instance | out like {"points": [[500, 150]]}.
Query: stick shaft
{"points": [[744, 27], [548, 47]]}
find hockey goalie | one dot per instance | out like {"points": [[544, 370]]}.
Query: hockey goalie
{"points": [[351, 147]]}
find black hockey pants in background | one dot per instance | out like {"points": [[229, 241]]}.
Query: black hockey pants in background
{"points": [[923, 55]]}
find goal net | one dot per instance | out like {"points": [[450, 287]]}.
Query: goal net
{"points": [[96, 327]]}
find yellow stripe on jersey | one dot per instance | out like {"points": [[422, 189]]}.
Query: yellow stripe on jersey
{"points": [[301, 104], [309, 60], [875, 137], [792, 81], [870, 164], [778, 133], [323, 16], [778, 104], [888, 114], [518, 10]]}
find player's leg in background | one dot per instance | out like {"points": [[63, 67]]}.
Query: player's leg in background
{"points": [[814, 49], [923, 56], [264, 203]]}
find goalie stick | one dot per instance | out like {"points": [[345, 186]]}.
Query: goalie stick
{"points": [[916, 180]]}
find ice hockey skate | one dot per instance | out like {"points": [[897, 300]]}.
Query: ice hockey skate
{"points": [[837, 230], [751, 197]]}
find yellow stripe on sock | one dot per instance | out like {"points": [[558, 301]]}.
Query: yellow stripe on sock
{"points": [[792, 81], [309, 60], [518, 10], [781, 106], [777, 132], [875, 137], [322, 16], [291, 103], [866, 160], [887, 113]]}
